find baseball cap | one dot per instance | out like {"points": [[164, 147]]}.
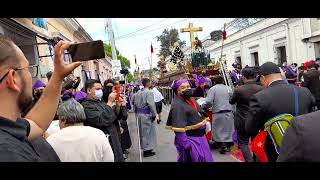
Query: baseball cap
{"points": [[268, 68]]}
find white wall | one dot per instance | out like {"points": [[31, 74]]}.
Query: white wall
{"points": [[264, 37]]}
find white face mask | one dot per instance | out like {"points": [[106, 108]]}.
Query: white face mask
{"points": [[98, 94]]}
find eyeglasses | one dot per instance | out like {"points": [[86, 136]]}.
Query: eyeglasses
{"points": [[33, 69]]}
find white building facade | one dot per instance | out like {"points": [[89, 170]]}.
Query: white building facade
{"points": [[291, 40]]}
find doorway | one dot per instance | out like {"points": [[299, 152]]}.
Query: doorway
{"points": [[281, 54], [255, 58]]}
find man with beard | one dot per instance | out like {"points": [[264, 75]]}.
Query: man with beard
{"points": [[37, 90], [40, 144], [16, 94]]}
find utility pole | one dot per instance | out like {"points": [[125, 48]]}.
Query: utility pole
{"points": [[111, 38], [109, 30]]}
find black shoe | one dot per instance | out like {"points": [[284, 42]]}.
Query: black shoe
{"points": [[148, 153], [125, 156], [228, 149], [125, 152], [223, 149], [214, 145]]}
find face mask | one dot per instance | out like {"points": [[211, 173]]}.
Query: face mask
{"points": [[187, 94], [99, 94], [109, 87], [37, 94]]}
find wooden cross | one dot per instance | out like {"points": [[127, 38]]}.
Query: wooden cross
{"points": [[191, 30]]}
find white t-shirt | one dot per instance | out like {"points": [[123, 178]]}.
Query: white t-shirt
{"points": [[54, 127], [157, 95], [81, 144]]}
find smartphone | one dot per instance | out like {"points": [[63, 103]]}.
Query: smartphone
{"points": [[117, 88], [87, 51]]}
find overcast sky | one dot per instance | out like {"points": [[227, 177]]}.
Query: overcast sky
{"points": [[143, 31]]}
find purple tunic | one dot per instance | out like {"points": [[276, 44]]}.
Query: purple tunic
{"points": [[80, 95], [198, 147], [190, 148]]}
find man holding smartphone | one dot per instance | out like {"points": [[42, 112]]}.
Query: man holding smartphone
{"points": [[16, 94]]}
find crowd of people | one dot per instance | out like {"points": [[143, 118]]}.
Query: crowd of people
{"points": [[240, 115], [55, 122]]}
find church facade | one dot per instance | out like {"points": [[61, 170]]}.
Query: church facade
{"points": [[291, 40]]}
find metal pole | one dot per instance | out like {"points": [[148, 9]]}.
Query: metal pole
{"points": [[138, 132], [221, 63], [151, 67], [111, 38]]}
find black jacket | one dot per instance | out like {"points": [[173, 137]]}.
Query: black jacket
{"points": [[125, 136], [312, 82], [45, 150], [241, 96], [301, 141], [198, 92], [103, 117], [277, 99]]}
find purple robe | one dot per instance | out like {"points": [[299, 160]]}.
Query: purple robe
{"points": [[80, 95], [199, 79], [234, 77], [182, 116], [129, 102], [198, 147]]}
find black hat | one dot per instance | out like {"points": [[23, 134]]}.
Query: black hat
{"points": [[268, 68]]}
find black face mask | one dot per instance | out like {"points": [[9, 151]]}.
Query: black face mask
{"points": [[38, 94], [187, 94]]}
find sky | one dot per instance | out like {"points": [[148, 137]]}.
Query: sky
{"points": [[133, 36]]}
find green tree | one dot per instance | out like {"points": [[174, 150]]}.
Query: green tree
{"points": [[167, 40], [125, 63], [130, 77]]}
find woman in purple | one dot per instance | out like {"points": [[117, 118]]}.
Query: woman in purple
{"points": [[188, 122]]}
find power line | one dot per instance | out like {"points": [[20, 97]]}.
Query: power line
{"points": [[154, 29], [140, 29], [115, 22]]}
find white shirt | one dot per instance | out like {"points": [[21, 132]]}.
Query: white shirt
{"points": [[81, 144], [54, 127], [157, 95]]}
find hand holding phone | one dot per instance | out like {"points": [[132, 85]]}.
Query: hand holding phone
{"points": [[87, 51], [117, 88]]}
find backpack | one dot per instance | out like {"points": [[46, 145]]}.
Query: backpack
{"points": [[276, 128]]}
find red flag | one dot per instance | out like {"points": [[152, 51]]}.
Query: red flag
{"points": [[224, 34], [151, 49]]}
